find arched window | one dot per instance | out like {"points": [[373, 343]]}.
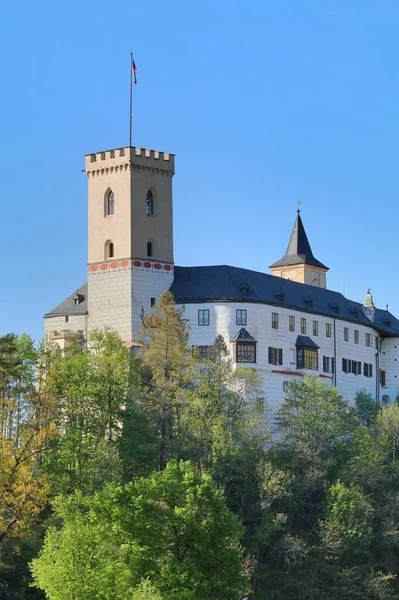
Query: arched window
{"points": [[109, 251], [149, 204], [111, 204], [385, 400], [149, 249]]}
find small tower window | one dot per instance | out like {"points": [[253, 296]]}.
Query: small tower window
{"points": [[149, 249], [109, 250], [111, 204], [149, 204]]}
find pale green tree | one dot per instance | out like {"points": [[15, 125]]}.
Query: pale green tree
{"points": [[172, 528]]}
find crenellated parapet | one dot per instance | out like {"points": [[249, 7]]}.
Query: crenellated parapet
{"points": [[128, 158]]}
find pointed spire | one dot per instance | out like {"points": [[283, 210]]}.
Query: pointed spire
{"points": [[368, 301], [299, 250], [369, 307]]}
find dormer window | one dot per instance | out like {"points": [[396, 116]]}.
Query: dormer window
{"points": [[111, 204], [77, 299], [149, 204]]}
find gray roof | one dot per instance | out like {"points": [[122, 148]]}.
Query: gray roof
{"points": [[68, 306], [299, 250], [243, 336], [303, 341], [232, 284]]}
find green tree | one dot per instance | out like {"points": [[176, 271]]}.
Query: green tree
{"points": [[172, 528], [165, 372], [92, 387], [366, 408], [27, 410]]}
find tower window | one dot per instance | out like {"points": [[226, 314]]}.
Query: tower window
{"points": [[109, 250], [149, 249], [111, 204], [149, 204]]}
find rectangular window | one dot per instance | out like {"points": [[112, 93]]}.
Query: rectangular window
{"points": [[368, 339], [356, 367], [328, 329], [66, 319], [306, 358], [292, 323], [356, 336], [241, 317], [333, 365], [376, 342], [204, 352], [346, 334], [382, 378], [326, 364], [246, 352], [345, 365], [292, 356], [315, 328], [203, 317], [275, 356], [152, 302], [303, 325], [275, 320], [368, 370]]}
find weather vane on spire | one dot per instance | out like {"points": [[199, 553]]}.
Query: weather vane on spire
{"points": [[299, 204]]}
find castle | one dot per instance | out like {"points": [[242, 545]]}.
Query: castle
{"points": [[286, 324]]}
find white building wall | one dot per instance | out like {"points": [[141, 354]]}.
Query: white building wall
{"points": [[72, 323], [390, 364], [120, 291], [259, 325], [147, 283], [109, 297]]}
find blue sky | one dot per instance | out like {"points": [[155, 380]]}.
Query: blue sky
{"points": [[263, 103]]}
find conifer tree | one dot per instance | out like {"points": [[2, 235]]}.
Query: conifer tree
{"points": [[166, 370]]}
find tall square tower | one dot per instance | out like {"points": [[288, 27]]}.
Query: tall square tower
{"points": [[130, 235]]}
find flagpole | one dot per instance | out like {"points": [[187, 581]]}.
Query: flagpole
{"points": [[131, 98]]}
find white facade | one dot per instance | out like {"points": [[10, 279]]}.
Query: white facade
{"points": [[222, 321]]}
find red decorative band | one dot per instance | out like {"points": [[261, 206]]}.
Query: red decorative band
{"points": [[135, 263], [288, 373], [296, 374]]}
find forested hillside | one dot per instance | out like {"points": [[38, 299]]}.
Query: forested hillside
{"points": [[154, 476]]}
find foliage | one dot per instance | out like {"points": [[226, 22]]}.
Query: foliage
{"points": [[27, 406], [172, 527], [106, 429], [166, 367], [92, 390]]}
